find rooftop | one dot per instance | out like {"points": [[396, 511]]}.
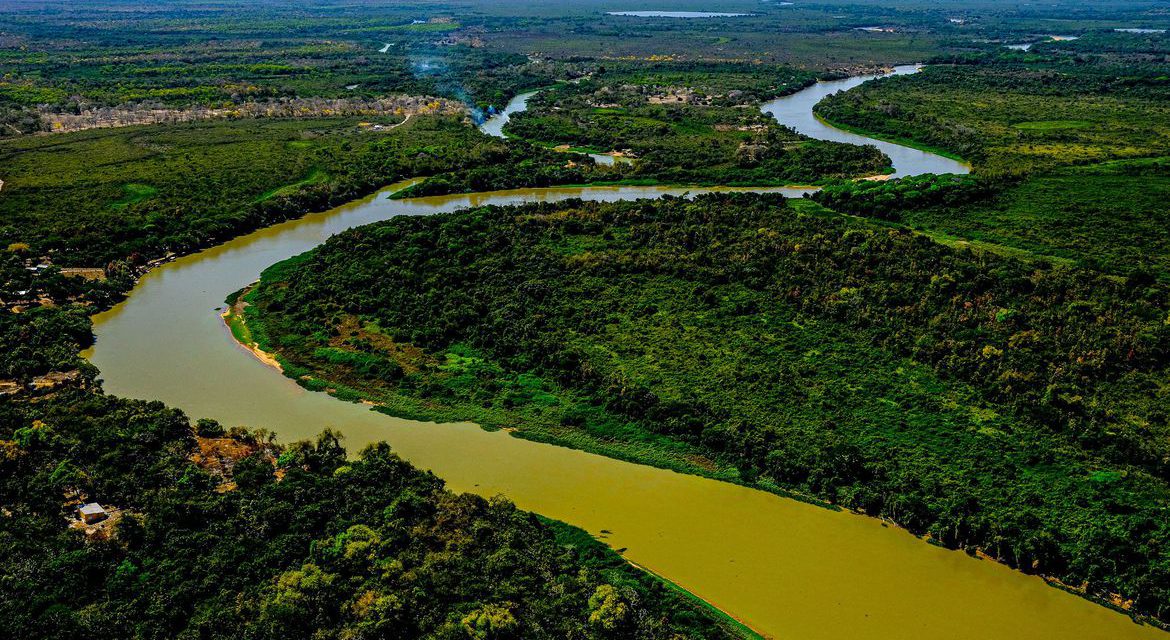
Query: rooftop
{"points": [[92, 508]]}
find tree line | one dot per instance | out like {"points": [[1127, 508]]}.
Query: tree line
{"points": [[993, 403]]}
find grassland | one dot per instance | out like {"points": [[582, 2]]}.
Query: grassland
{"points": [[1074, 156], [1100, 217], [91, 197], [100, 195], [1012, 119]]}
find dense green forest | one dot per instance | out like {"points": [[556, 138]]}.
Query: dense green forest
{"points": [[229, 535], [991, 403]]}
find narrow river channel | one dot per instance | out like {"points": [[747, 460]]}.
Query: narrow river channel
{"points": [[788, 569], [494, 126], [796, 111]]}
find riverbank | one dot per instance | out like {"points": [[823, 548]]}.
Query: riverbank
{"points": [[659, 452], [904, 142], [236, 321], [576, 537], [799, 112], [237, 324]]}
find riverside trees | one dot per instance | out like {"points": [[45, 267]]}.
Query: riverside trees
{"points": [[990, 402], [284, 540]]}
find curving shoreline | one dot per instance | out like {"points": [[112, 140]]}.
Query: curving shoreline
{"points": [[782, 566], [797, 111], [904, 142], [235, 321]]}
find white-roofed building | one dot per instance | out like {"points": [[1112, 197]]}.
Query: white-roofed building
{"points": [[91, 513]]}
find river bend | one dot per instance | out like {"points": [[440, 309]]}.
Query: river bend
{"points": [[786, 568]]}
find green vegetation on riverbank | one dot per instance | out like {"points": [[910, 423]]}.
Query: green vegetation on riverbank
{"points": [[93, 197], [975, 110], [267, 541], [987, 402], [250, 329], [690, 123], [1109, 217], [905, 142], [1072, 156]]}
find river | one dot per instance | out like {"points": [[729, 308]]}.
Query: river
{"points": [[786, 568], [494, 126], [796, 111]]}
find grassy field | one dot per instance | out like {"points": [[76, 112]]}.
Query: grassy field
{"points": [[91, 197], [1017, 118], [1097, 216], [98, 195], [1076, 157]]}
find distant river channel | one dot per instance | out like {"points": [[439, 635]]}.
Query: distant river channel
{"points": [[785, 568], [677, 14], [796, 110]]}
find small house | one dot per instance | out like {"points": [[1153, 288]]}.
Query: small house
{"points": [[91, 513]]}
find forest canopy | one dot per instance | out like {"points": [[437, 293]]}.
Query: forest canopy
{"points": [[989, 402], [216, 534]]}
